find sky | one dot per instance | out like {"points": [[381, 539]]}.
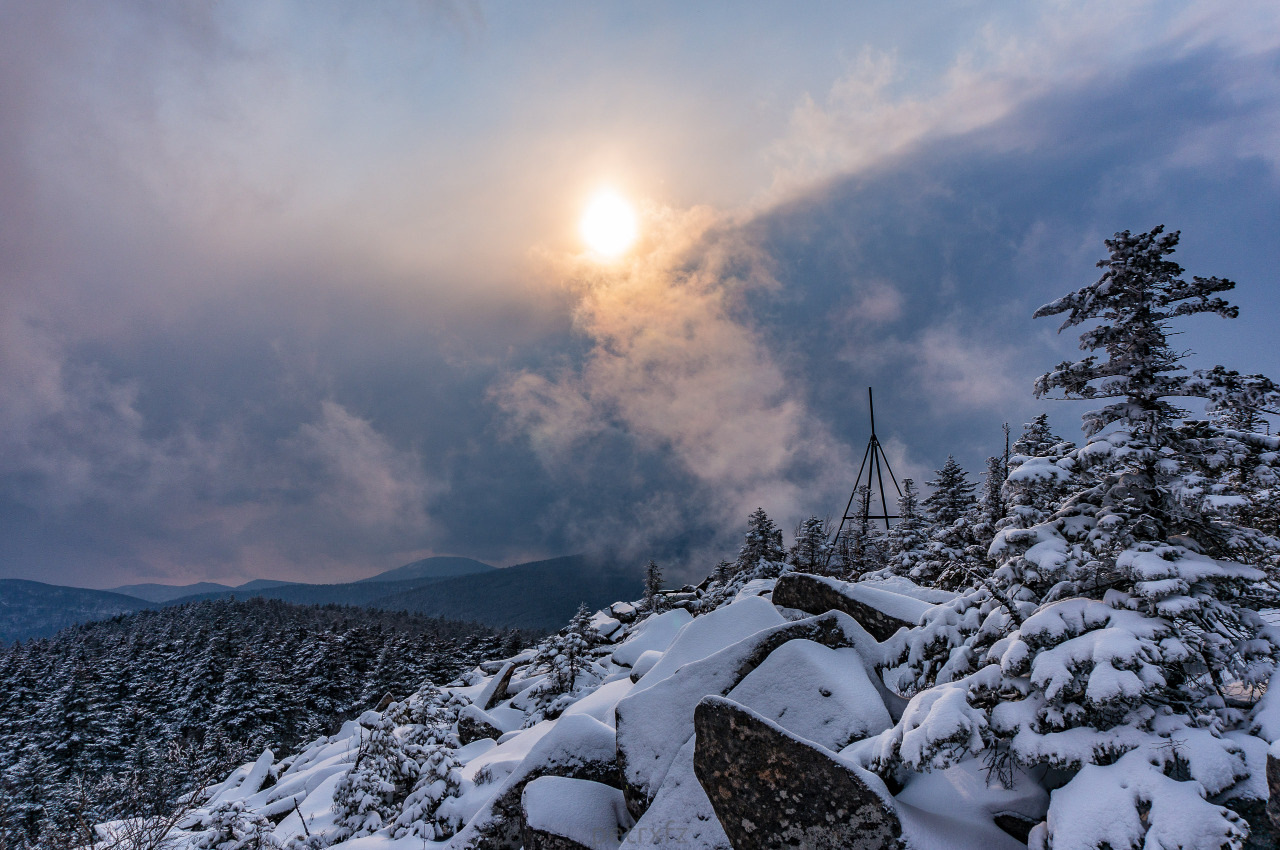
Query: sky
{"points": [[296, 290]]}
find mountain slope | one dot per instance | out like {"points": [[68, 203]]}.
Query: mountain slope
{"points": [[32, 609], [433, 568], [166, 592], [538, 595], [222, 679]]}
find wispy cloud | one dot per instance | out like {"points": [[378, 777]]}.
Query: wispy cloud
{"points": [[877, 111], [675, 364]]}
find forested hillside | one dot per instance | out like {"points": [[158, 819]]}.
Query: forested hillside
{"points": [[34, 609], [140, 707]]}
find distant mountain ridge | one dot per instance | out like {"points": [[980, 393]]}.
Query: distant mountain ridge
{"points": [[153, 592], [441, 566], [539, 595], [33, 609]]}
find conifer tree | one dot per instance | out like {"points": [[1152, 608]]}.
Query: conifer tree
{"points": [[762, 551], [951, 496], [906, 541], [652, 586], [810, 551], [1037, 439], [860, 550], [1109, 633]]}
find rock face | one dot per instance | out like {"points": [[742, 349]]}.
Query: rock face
{"points": [[474, 724], [579, 747], [817, 595], [1273, 789], [770, 789], [496, 690], [572, 814]]}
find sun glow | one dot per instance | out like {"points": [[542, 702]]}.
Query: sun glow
{"points": [[608, 225]]}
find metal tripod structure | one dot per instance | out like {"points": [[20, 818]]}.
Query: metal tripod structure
{"points": [[874, 463]]}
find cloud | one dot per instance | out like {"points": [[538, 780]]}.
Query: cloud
{"points": [[879, 110], [675, 364], [359, 477]]}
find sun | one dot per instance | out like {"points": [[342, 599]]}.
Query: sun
{"points": [[608, 225]]}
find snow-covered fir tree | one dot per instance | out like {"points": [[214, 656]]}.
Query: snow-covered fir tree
{"points": [[812, 547], [961, 527], [566, 660], [1110, 633], [1041, 469], [860, 550], [369, 796], [905, 544], [762, 552], [652, 587], [232, 826], [951, 494]]}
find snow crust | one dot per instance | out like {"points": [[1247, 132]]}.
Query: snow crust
{"points": [[712, 632], [655, 633], [822, 695]]}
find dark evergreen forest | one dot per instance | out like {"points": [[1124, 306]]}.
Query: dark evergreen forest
{"points": [[111, 717]]}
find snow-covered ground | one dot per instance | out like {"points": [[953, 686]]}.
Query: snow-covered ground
{"points": [[629, 716]]}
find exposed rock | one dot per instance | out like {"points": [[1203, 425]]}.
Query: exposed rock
{"points": [[474, 724], [878, 611], [494, 692], [572, 814], [1017, 825], [1273, 788], [605, 626], [1262, 833], [579, 747], [624, 611], [771, 789]]}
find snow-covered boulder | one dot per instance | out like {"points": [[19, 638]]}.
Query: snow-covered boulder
{"points": [[577, 746], [654, 634], [712, 632], [573, 814], [646, 662], [824, 695], [881, 612], [773, 789], [654, 722], [474, 724]]}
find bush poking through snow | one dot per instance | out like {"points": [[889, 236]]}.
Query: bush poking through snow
{"points": [[232, 826]]}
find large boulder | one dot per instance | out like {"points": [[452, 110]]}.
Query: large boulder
{"points": [[654, 722], [578, 746], [880, 612], [771, 789], [822, 694], [655, 633], [573, 814], [494, 692], [474, 724]]}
